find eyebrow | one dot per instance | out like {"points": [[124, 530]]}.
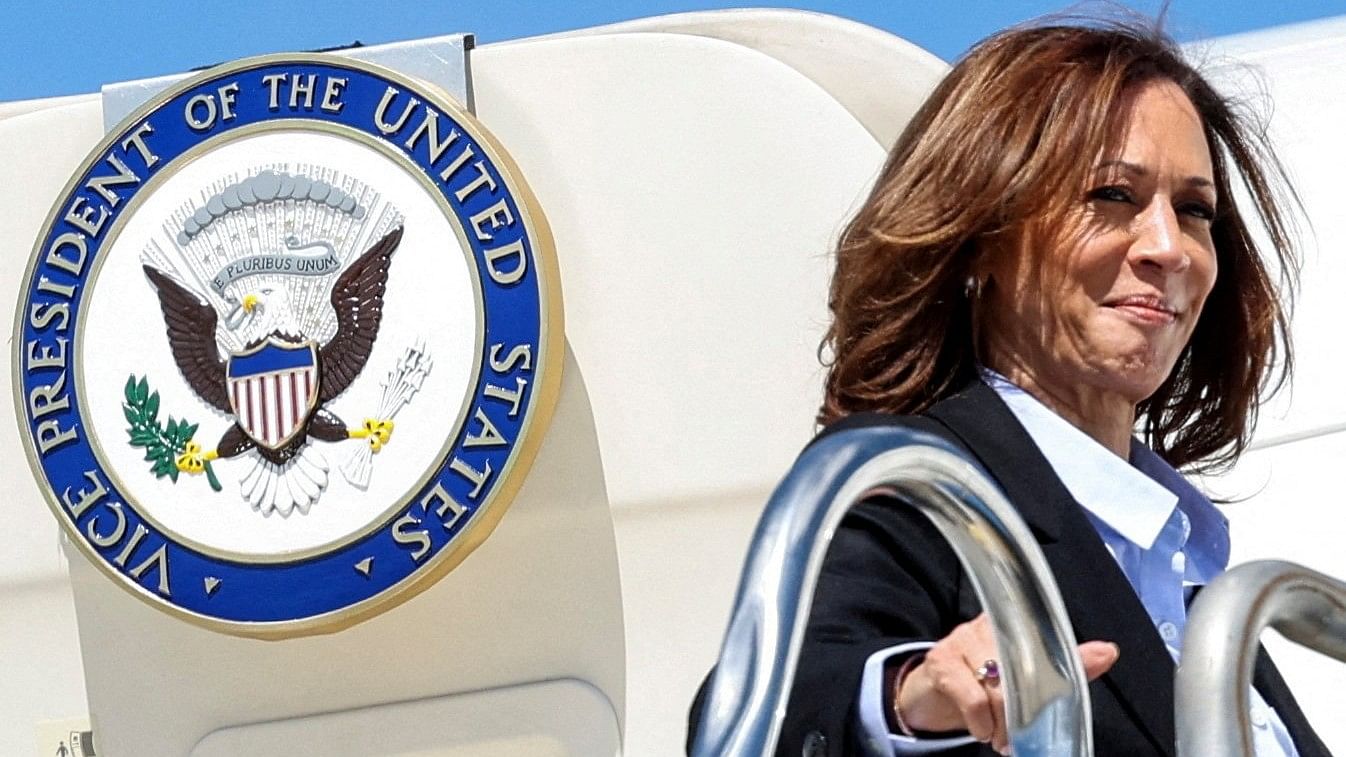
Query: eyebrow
{"points": [[1139, 170]]}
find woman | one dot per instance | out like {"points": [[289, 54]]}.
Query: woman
{"points": [[1050, 259]]}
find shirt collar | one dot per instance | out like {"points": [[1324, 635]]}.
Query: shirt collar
{"points": [[1207, 546], [1134, 498]]}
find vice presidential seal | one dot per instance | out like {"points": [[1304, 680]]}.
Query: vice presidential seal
{"points": [[287, 344]]}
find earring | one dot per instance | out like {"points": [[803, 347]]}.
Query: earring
{"points": [[972, 287]]}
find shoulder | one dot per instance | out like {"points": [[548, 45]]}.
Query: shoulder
{"points": [[921, 423], [877, 517]]}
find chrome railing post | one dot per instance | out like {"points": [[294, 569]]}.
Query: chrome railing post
{"points": [[1046, 692], [1220, 647]]}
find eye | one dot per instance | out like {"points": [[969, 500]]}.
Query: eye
{"points": [[1111, 193], [1197, 209]]}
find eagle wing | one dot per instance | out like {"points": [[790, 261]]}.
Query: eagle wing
{"points": [[191, 335], [357, 298]]}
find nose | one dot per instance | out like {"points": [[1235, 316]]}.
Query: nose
{"points": [[1159, 239]]}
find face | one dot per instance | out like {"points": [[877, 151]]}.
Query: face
{"points": [[1110, 309]]}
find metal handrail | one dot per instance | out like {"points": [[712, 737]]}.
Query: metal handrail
{"points": [[1212, 699], [1047, 699]]}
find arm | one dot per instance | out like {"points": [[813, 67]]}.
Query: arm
{"points": [[877, 692], [888, 579]]}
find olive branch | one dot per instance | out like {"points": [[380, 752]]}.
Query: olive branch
{"points": [[162, 444]]}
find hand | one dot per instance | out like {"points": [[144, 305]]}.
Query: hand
{"points": [[942, 693]]}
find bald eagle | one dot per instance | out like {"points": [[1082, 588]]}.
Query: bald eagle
{"points": [[277, 386]]}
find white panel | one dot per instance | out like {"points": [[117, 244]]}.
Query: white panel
{"points": [[680, 567], [39, 655], [38, 640], [555, 719], [1297, 76], [694, 188], [879, 78], [19, 107]]}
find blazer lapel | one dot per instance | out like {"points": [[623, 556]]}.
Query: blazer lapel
{"points": [[1100, 601]]}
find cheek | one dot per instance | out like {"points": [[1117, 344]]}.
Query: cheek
{"points": [[1058, 297], [1201, 277], [1094, 267]]}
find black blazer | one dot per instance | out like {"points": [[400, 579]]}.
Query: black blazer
{"points": [[889, 578]]}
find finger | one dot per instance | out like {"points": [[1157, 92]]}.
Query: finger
{"points": [[995, 701], [974, 703], [1098, 657], [1000, 736], [959, 686], [987, 701], [987, 650], [981, 648]]}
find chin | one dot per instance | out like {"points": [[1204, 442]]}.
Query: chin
{"points": [[1136, 379]]}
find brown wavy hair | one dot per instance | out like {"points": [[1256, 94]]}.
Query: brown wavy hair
{"points": [[997, 152]]}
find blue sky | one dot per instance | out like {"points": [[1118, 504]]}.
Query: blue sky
{"points": [[56, 47]]}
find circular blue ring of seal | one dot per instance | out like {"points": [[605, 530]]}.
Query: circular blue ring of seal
{"points": [[316, 593]]}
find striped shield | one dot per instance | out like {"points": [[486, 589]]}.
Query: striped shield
{"points": [[273, 388]]}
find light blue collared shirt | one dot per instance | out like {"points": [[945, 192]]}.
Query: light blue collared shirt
{"points": [[1165, 534]]}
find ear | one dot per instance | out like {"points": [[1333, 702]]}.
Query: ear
{"points": [[980, 268]]}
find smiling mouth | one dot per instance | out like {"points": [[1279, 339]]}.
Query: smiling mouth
{"points": [[1150, 311]]}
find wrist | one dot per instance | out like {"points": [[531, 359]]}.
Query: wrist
{"points": [[898, 724]]}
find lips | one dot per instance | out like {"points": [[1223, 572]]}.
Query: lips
{"points": [[1147, 309]]}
